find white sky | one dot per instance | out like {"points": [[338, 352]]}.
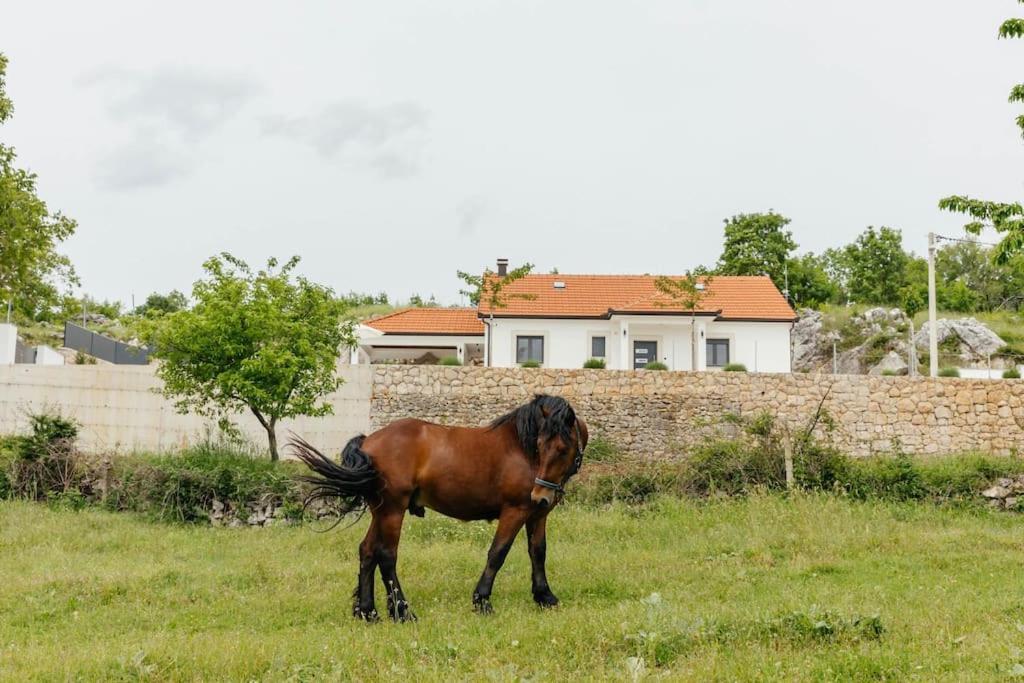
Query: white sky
{"points": [[392, 143]]}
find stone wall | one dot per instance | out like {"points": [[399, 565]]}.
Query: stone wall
{"points": [[653, 414]]}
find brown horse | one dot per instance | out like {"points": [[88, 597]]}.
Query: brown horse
{"points": [[513, 470]]}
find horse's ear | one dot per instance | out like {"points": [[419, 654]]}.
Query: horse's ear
{"points": [[584, 433]]}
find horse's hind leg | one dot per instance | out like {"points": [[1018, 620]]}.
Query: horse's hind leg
{"points": [[387, 558], [365, 606], [509, 524]]}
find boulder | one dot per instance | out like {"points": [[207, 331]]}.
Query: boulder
{"points": [[996, 493], [892, 362], [976, 340]]}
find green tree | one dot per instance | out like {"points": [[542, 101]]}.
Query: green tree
{"points": [[872, 270], [974, 266], [261, 341], [30, 267], [1007, 219], [687, 293], [809, 281], [489, 287], [757, 244], [161, 304]]}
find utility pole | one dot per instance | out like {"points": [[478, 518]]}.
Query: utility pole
{"points": [[913, 352], [933, 327]]}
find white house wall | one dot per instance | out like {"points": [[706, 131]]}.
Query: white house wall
{"points": [[566, 341], [761, 347]]}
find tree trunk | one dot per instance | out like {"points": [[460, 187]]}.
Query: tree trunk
{"points": [[271, 432], [272, 438]]}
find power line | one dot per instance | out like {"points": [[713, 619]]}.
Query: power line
{"points": [[965, 241]]}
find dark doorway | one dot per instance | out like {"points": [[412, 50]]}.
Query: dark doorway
{"points": [[644, 352]]}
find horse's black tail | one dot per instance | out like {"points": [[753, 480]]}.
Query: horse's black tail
{"points": [[350, 483]]}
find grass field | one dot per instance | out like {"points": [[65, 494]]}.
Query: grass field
{"points": [[763, 588]]}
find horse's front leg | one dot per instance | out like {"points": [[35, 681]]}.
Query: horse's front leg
{"points": [[509, 524], [536, 535], [390, 531]]}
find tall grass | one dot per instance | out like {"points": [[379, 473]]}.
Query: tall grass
{"points": [[807, 587]]}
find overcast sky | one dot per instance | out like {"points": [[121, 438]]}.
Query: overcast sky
{"points": [[392, 143]]}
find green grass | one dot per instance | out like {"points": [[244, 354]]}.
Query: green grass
{"points": [[764, 588]]}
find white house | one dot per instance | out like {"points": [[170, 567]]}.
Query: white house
{"points": [[423, 335], [561, 321]]}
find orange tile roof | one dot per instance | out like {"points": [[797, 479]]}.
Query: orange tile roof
{"points": [[592, 296], [453, 321]]}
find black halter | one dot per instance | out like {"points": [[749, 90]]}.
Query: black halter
{"points": [[577, 462]]}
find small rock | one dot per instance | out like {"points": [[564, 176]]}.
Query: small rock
{"points": [[996, 492], [218, 506], [1011, 502]]}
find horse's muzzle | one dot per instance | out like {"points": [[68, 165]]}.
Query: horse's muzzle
{"points": [[542, 498]]}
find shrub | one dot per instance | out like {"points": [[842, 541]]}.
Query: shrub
{"points": [[449, 360], [735, 367], [1012, 373], [949, 372], [656, 365], [182, 487], [600, 449], [530, 364], [888, 372], [84, 359], [595, 364], [44, 462]]}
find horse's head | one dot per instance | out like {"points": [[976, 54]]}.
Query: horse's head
{"points": [[560, 445]]}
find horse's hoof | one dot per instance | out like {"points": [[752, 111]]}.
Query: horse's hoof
{"points": [[482, 605], [545, 600], [407, 617], [370, 615]]}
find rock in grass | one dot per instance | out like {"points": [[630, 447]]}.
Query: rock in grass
{"points": [[996, 492]]}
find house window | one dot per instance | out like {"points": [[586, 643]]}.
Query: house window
{"points": [[529, 348], [597, 347], [718, 353]]}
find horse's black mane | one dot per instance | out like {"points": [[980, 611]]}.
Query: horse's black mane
{"points": [[530, 422]]}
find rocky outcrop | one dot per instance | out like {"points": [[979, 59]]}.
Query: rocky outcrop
{"points": [[876, 341], [975, 341]]}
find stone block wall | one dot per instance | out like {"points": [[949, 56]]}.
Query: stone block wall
{"points": [[656, 414]]}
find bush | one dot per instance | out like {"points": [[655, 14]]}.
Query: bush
{"points": [[735, 367], [449, 360], [656, 365], [44, 462], [888, 372], [530, 364], [1012, 373], [182, 487], [595, 364], [949, 372]]}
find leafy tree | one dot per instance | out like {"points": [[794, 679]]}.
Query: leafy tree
{"points": [[973, 266], [29, 232], [1007, 219], [757, 244], [418, 302], [490, 287], [872, 269], [263, 341], [161, 304], [809, 281], [914, 294], [687, 293]]}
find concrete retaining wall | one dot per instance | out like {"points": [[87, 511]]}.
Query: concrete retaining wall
{"points": [[120, 409]]}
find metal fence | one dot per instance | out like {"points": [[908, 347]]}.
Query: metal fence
{"points": [[104, 348]]}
